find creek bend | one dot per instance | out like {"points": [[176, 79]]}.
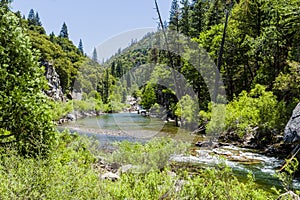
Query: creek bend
{"points": [[109, 128]]}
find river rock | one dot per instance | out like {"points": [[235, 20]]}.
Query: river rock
{"points": [[71, 117], [292, 129], [289, 195], [110, 176], [208, 144]]}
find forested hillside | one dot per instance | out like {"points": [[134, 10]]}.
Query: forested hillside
{"points": [[259, 64]]}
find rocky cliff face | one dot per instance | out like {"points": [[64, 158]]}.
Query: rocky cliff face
{"points": [[55, 90], [292, 129]]}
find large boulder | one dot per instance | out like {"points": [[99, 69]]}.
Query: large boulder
{"points": [[110, 176], [292, 129]]}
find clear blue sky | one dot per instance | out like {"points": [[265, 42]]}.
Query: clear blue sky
{"points": [[94, 21]]}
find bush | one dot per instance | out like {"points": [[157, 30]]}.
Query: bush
{"points": [[214, 119], [221, 184], [61, 109], [65, 174], [187, 109], [153, 155], [256, 109]]}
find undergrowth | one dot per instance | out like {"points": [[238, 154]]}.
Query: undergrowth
{"points": [[68, 173]]}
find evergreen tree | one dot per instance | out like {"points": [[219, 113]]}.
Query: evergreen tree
{"points": [[37, 20], [106, 86], [18, 14], [119, 69], [184, 22], [31, 17], [64, 31], [52, 35], [214, 14], [95, 55], [174, 15], [80, 47], [198, 9], [113, 68]]}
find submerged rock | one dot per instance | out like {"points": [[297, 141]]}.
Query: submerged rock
{"points": [[292, 129], [208, 144]]}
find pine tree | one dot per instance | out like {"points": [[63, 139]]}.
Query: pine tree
{"points": [[95, 55], [64, 31], [37, 20], [80, 47], [174, 15], [214, 14], [52, 35], [184, 22], [119, 69], [198, 9], [31, 17], [113, 69]]}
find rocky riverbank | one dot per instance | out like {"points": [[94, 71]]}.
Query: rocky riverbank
{"points": [[75, 115]]}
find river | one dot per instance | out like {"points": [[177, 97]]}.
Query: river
{"points": [[109, 128]]}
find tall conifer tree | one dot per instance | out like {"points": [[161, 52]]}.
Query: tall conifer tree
{"points": [[174, 15], [37, 20], [31, 17], [64, 31], [184, 22], [95, 55], [80, 47]]}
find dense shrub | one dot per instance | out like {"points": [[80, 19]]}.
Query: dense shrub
{"points": [[153, 155], [65, 174], [258, 109]]}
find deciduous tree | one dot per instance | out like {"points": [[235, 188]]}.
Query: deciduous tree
{"points": [[25, 118]]}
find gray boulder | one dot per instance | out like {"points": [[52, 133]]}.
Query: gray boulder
{"points": [[110, 176], [71, 117], [292, 129]]}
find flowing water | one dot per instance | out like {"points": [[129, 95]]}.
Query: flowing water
{"points": [[133, 127]]}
